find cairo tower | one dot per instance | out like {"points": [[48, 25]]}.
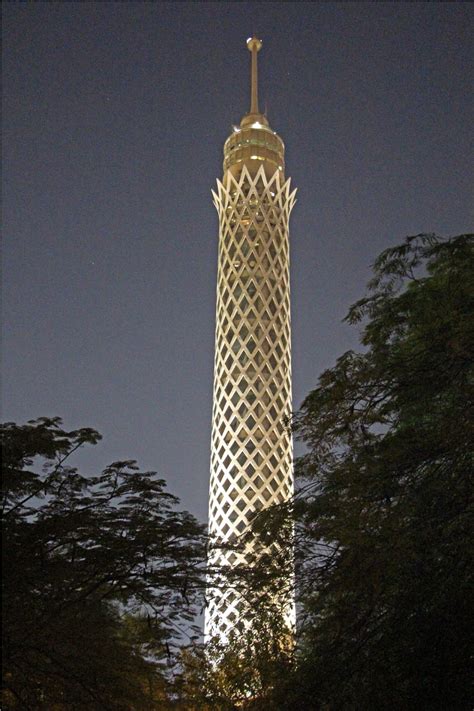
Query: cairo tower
{"points": [[251, 447]]}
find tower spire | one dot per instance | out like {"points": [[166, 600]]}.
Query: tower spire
{"points": [[254, 45]]}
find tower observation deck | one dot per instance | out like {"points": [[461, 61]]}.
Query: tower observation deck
{"points": [[251, 447]]}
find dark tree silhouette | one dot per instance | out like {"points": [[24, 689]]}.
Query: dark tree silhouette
{"points": [[100, 575], [383, 518]]}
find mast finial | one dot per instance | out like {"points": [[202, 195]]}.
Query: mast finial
{"points": [[254, 45]]}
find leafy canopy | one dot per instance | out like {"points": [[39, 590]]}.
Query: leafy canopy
{"points": [[383, 518], [101, 575]]}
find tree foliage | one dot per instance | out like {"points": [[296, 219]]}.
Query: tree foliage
{"points": [[384, 514], [101, 573], [241, 673]]}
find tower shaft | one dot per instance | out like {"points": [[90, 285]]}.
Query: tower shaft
{"points": [[251, 447]]}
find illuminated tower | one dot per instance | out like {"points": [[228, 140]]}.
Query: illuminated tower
{"points": [[251, 448]]}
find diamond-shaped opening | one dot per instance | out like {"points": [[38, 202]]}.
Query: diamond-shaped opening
{"points": [[251, 289], [258, 481], [273, 307], [236, 346], [242, 385], [249, 469], [243, 358], [266, 494], [280, 476], [251, 397], [250, 422]]}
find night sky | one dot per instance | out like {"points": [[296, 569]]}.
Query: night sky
{"points": [[115, 115]]}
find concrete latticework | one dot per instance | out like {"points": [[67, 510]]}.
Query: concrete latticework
{"points": [[251, 449]]}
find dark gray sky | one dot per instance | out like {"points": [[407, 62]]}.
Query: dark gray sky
{"points": [[115, 115]]}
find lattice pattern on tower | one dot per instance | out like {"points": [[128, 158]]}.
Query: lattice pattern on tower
{"points": [[251, 450]]}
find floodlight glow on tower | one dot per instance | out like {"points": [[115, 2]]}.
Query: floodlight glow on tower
{"points": [[251, 447]]}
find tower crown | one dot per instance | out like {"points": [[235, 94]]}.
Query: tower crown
{"points": [[253, 142]]}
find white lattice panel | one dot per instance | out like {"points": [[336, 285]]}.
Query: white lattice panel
{"points": [[251, 450]]}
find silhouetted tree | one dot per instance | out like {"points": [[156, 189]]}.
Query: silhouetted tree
{"points": [[100, 575], [384, 534]]}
